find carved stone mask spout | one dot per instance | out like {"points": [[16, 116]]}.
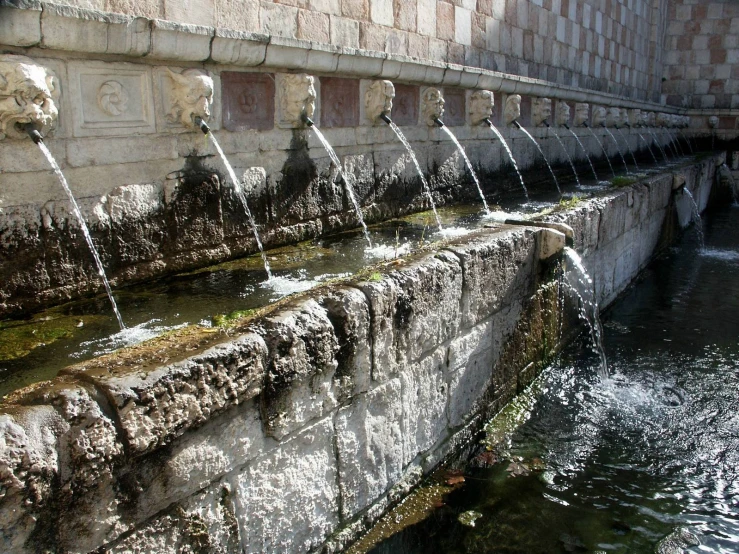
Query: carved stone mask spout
{"points": [[635, 117], [599, 116], [190, 97], [378, 100], [651, 117], [27, 95], [613, 117], [663, 120], [512, 108], [713, 122], [481, 106], [582, 114], [432, 105], [562, 114], [541, 111], [297, 99]]}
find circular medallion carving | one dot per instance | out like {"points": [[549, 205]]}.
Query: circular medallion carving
{"points": [[112, 98]]}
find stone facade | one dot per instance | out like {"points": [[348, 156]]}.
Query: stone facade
{"points": [[303, 423]]}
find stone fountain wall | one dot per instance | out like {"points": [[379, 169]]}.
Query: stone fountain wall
{"points": [[295, 429], [155, 196]]}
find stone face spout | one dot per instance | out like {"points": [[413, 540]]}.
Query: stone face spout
{"points": [[432, 106], [202, 125], [28, 92], [541, 111], [482, 103], [562, 114], [512, 109], [378, 101], [613, 117], [582, 114], [190, 97], [296, 100], [599, 117]]}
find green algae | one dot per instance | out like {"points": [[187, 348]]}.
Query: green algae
{"points": [[19, 338], [623, 181]]}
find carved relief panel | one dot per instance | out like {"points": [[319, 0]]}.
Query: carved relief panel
{"points": [[248, 101], [111, 99], [405, 105], [455, 111], [339, 102]]}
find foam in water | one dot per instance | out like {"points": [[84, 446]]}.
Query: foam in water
{"points": [[556, 183], [720, 254], [569, 159], [586, 153], [348, 186], [125, 337], [388, 251], [617, 148], [285, 285], [494, 129], [469, 165], [602, 148], [426, 188], [242, 197], [582, 289], [85, 230]]}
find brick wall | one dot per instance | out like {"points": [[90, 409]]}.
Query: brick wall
{"points": [[605, 45], [702, 54]]}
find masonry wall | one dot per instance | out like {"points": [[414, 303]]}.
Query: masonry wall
{"points": [[605, 45], [295, 429]]}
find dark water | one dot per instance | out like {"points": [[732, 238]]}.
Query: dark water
{"points": [[616, 466]]}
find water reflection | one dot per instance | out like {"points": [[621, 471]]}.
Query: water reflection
{"points": [[616, 466]]}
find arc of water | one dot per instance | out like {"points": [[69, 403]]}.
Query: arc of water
{"points": [[655, 141], [242, 198], [670, 146], [695, 216], [347, 184], [592, 319], [469, 166], [649, 148], [626, 167], [602, 148], [538, 147], [687, 141], [569, 159], [83, 225], [425, 185], [676, 141], [592, 167], [636, 165], [507, 148]]}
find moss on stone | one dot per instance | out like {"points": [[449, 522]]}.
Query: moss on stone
{"points": [[20, 338], [623, 181]]}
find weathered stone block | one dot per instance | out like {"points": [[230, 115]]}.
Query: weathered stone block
{"points": [[496, 270], [154, 407], [20, 27], [239, 48], [112, 150], [369, 440], [174, 41], [300, 367], [404, 324], [293, 487], [425, 398]]}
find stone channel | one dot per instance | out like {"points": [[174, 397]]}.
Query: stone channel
{"points": [[299, 426]]}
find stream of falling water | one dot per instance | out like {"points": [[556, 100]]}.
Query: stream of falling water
{"points": [[347, 184], [583, 290], [494, 129], [618, 148], [426, 189], [687, 140], [636, 165], [242, 197], [85, 230], [649, 148], [469, 166], [676, 141], [602, 148], [655, 141], [695, 216], [569, 159], [592, 167], [538, 147]]}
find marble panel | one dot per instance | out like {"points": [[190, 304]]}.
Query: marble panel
{"points": [[248, 101]]}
